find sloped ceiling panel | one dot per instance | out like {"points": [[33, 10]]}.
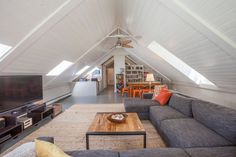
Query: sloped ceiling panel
{"points": [[92, 58], [69, 39], [219, 13], [154, 21], [88, 23], [19, 17]]}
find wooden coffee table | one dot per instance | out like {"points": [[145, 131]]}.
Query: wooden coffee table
{"points": [[102, 126]]}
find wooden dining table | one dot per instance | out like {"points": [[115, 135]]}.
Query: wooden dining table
{"points": [[140, 85]]}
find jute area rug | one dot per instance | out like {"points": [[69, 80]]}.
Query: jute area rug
{"points": [[69, 130]]}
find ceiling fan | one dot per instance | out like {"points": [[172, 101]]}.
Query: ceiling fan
{"points": [[121, 42]]}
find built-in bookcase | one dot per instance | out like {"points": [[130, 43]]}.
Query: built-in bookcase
{"points": [[134, 73]]}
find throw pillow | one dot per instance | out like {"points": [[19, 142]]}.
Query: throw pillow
{"points": [[157, 90], [46, 149], [24, 150], [163, 97]]}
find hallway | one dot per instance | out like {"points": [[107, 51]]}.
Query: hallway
{"points": [[107, 96]]}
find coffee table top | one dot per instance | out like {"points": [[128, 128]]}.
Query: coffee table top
{"points": [[101, 125]]}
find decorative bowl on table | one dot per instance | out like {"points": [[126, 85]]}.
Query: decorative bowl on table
{"points": [[117, 117]]}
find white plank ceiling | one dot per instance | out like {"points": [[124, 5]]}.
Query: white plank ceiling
{"points": [[201, 33]]}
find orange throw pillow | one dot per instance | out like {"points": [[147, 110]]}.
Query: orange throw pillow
{"points": [[164, 89], [163, 97]]}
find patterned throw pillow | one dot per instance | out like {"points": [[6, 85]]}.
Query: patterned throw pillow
{"points": [[157, 90], [25, 150]]}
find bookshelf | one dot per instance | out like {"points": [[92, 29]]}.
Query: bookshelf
{"points": [[134, 73]]}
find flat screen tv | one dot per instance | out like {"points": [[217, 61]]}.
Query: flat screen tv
{"points": [[18, 91]]}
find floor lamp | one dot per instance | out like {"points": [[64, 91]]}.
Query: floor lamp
{"points": [[150, 79]]}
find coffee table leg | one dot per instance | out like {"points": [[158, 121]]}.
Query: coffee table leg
{"points": [[87, 141], [144, 141]]}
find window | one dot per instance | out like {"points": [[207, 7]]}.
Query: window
{"points": [[179, 64], [59, 68], [82, 70], [94, 70], [4, 49]]}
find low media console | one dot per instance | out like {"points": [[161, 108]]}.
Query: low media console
{"points": [[19, 120]]}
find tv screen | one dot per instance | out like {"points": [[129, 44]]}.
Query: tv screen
{"points": [[17, 91]]}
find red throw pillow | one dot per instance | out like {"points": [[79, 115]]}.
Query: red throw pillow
{"points": [[163, 97]]}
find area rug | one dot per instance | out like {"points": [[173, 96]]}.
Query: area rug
{"points": [[69, 130]]}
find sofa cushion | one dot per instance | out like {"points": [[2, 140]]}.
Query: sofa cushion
{"points": [[188, 132], [158, 152], [160, 113], [139, 105], [93, 153], [218, 118], [212, 152], [182, 104]]}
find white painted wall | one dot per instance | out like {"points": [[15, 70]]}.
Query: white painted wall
{"points": [[223, 98], [54, 92], [88, 88], [119, 62]]}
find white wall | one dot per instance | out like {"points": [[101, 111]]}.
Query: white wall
{"points": [[54, 92], [119, 63], [223, 98], [88, 88]]}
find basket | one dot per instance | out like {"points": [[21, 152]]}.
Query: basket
{"points": [[117, 117]]}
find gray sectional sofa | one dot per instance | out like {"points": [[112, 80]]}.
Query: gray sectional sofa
{"points": [[229, 151], [189, 127], [198, 127]]}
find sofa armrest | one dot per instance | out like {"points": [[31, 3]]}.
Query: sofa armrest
{"points": [[47, 139], [147, 95]]}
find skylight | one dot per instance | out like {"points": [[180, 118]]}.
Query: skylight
{"points": [[59, 68], [91, 71], [4, 49], [179, 64], [81, 71]]}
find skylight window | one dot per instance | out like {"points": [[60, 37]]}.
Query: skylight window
{"points": [[4, 49], [81, 71], [179, 64], [94, 69], [59, 68]]}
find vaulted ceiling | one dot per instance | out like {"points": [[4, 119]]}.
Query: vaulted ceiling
{"points": [[43, 33]]}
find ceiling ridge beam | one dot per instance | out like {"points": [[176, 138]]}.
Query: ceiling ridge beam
{"points": [[36, 33], [80, 57], [201, 25]]}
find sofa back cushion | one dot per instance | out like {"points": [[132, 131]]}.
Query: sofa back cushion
{"points": [[220, 119], [182, 104]]}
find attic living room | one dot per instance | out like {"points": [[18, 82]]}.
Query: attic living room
{"points": [[118, 78]]}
